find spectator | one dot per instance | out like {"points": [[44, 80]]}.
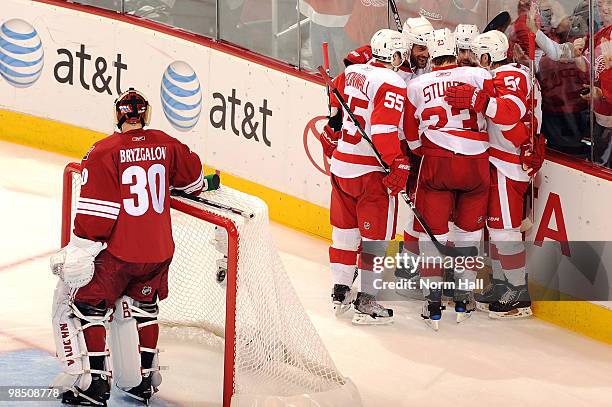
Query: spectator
{"points": [[327, 21], [565, 115]]}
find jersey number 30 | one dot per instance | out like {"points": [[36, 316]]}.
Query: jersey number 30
{"points": [[142, 184]]}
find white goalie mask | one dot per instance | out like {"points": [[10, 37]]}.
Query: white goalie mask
{"points": [[494, 43], [464, 34], [441, 43], [386, 43]]}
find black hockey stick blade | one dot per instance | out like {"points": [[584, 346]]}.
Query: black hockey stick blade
{"points": [[450, 251], [500, 22]]}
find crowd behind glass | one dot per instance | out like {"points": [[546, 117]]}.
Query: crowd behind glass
{"points": [[576, 81]]}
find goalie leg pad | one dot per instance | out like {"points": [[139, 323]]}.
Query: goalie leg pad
{"points": [[134, 334], [69, 324]]}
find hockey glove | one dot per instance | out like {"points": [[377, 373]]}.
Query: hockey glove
{"points": [[329, 140], [532, 160], [467, 97], [396, 180], [74, 264]]}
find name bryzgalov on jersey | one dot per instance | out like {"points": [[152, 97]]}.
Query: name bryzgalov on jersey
{"points": [[142, 154]]}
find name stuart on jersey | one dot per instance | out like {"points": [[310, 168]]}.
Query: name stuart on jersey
{"points": [[142, 154]]}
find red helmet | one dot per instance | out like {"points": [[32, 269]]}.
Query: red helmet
{"points": [[132, 107]]}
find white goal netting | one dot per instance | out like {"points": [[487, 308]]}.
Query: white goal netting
{"points": [[278, 357]]}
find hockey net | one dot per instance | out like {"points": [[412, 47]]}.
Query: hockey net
{"points": [[272, 352]]}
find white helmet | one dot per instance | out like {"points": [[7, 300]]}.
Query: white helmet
{"points": [[494, 43], [416, 30], [441, 42], [385, 43], [464, 34]]}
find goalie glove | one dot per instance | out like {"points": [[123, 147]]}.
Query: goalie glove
{"points": [[532, 159], [74, 264], [396, 180], [467, 97], [329, 140]]}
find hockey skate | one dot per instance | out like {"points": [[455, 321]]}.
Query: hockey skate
{"points": [[432, 313], [341, 299], [513, 304], [464, 305], [370, 312], [96, 394], [143, 391], [489, 294]]}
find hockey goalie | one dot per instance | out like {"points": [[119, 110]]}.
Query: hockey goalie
{"points": [[115, 268]]}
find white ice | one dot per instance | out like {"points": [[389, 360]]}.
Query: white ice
{"points": [[478, 363]]}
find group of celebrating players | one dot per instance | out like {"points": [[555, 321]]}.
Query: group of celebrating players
{"points": [[456, 124]]}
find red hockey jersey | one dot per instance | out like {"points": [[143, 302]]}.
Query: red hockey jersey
{"points": [[376, 95], [509, 118], [430, 120], [124, 200]]}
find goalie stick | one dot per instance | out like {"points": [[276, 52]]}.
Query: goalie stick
{"points": [[470, 251], [181, 194], [396, 16]]}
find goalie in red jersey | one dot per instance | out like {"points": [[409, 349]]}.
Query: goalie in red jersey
{"points": [[117, 260]]}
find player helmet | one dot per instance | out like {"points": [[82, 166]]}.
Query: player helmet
{"points": [[385, 43], [494, 43], [441, 43], [464, 34], [132, 107], [416, 31]]}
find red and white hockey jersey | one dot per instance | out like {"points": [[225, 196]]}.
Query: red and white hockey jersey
{"points": [[430, 121], [124, 200], [509, 118], [376, 95]]}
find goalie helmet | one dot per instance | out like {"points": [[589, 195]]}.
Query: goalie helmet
{"points": [[385, 43], [441, 43], [494, 43], [416, 30], [132, 107], [464, 34]]}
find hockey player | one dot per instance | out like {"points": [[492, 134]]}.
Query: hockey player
{"points": [[416, 30], [118, 258], [464, 34], [513, 162], [363, 200], [454, 175]]}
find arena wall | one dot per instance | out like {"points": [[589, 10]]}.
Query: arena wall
{"points": [[252, 118]]}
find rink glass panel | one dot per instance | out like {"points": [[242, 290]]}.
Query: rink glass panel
{"points": [[287, 31]]}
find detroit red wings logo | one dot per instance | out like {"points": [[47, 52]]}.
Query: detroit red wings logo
{"points": [[312, 147]]}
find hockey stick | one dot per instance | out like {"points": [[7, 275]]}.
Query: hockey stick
{"points": [[325, 47], [470, 251], [182, 194], [532, 130], [396, 16]]}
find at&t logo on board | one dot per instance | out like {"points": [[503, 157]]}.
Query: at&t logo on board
{"points": [[181, 96], [21, 53]]}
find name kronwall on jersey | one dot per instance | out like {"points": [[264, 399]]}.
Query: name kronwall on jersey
{"points": [[142, 154]]}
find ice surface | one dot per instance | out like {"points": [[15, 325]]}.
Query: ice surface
{"points": [[478, 363]]}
